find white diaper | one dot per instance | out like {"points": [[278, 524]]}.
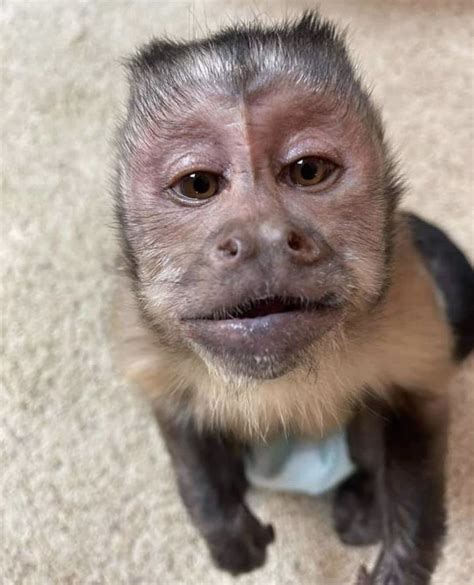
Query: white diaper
{"points": [[297, 465]]}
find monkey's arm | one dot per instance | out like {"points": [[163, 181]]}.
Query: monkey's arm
{"points": [[399, 443], [211, 481], [403, 449], [208, 467]]}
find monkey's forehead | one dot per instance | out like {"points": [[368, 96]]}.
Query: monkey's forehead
{"points": [[273, 121]]}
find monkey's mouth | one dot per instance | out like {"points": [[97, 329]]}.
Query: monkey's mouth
{"points": [[262, 338], [273, 305]]}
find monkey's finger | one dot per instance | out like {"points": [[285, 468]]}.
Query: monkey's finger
{"points": [[269, 533], [363, 577], [264, 535]]}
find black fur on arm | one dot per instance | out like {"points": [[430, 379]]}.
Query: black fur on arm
{"points": [[398, 494], [210, 477]]}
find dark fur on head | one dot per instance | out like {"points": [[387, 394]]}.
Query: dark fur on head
{"points": [[244, 57]]}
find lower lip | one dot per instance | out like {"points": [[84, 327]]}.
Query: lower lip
{"points": [[287, 332]]}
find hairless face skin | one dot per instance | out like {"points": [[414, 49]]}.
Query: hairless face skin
{"points": [[266, 240], [272, 285]]}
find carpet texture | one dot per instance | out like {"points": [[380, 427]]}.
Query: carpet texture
{"points": [[86, 491]]}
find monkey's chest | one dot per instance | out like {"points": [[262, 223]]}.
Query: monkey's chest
{"points": [[300, 465]]}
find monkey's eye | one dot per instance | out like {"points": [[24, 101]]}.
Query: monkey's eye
{"points": [[310, 171], [199, 185]]}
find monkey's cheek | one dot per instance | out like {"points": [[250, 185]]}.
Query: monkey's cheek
{"points": [[263, 347]]}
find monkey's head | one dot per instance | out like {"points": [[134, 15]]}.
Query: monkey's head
{"points": [[255, 194]]}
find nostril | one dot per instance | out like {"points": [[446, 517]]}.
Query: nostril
{"points": [[302, 247], [229, 248], [295, 241]]}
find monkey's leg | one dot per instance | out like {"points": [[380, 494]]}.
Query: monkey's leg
{"points": [[212, 484], [410, 491], [356, 512]]}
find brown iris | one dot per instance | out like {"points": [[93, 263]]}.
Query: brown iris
{"points": [[200, 185], [310, 171]]}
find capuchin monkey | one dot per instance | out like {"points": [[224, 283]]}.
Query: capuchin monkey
{"points": [[270, 285]]}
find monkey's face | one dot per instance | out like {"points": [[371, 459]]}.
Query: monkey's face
{"points": [[256, 225]]}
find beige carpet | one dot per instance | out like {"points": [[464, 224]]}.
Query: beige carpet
{"points": [[86, 492]]}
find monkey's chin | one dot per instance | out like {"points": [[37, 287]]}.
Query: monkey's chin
{"points": [[263, 347]]}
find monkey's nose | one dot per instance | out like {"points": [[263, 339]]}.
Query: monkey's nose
{"points": [[274, 242]]}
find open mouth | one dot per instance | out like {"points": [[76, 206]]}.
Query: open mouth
{"points": [[257, 334], [273, 305]]}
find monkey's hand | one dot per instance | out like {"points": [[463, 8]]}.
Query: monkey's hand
{"points": [[239, 545], [392, 573], [363, 577]]}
